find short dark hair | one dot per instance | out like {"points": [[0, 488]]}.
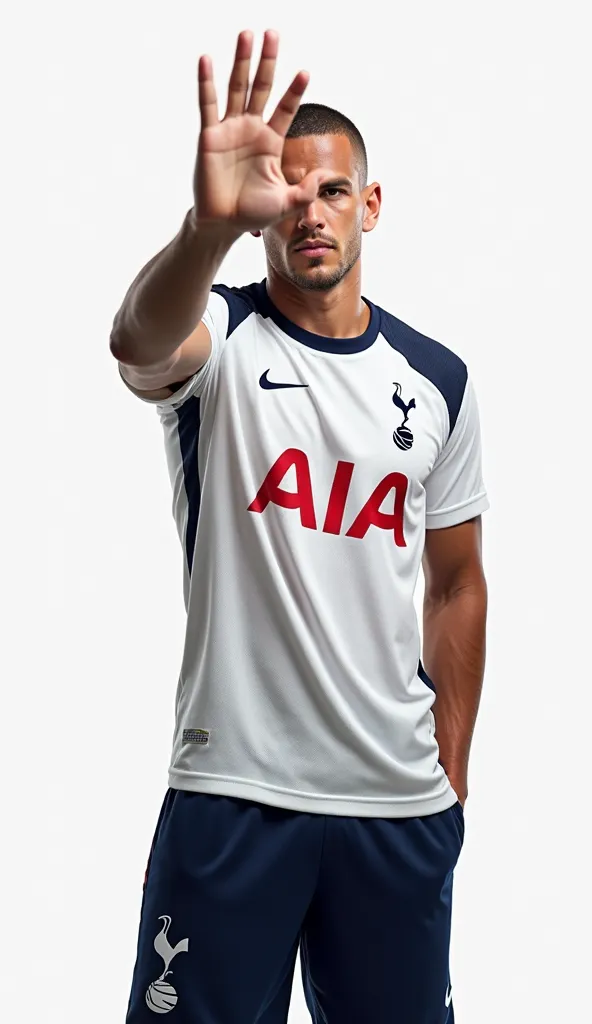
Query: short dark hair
{"points": [[317, 119]]}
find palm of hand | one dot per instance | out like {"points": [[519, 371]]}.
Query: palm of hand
{"points": [[240, 174], [238, 179]]}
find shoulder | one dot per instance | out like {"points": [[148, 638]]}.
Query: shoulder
{"points": [[433, 360], [240, 301]]}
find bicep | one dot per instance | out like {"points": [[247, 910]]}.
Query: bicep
{"points": [[161, 380], [452, 558]]}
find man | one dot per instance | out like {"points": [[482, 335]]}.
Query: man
{"points": [[316, 789]]}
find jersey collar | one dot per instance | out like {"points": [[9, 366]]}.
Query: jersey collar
{"points": [[337, 345]]}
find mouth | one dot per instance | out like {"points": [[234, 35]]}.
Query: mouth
{"points": [[314, 248]]}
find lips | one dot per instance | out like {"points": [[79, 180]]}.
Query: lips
{"points": [[314, 248]]}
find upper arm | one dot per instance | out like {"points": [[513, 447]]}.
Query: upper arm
{"points": [[158, 381], [452, 559]]}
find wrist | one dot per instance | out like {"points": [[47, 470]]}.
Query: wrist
{"points": [[220, 234]]}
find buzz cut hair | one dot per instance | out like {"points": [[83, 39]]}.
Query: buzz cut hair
{"points": [[317, 119]]}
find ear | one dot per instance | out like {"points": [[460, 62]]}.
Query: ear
{"points": [[373, 197], [256, 234]]}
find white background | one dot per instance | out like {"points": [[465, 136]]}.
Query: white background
{"points": [[477, 122]]}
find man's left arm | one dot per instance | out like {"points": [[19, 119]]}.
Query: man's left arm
{"points": [[455, 608]]}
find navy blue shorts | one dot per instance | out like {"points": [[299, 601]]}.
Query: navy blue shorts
{"points": [[233, 888]]}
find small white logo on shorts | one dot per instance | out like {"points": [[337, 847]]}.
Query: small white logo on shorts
{"points": [[448, 997], [162, 997]]}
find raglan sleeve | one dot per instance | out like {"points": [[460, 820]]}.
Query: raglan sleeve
{"points": [[216, 319], [455, 491]]}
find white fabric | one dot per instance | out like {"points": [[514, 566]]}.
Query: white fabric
{"points": [[302, 646]]}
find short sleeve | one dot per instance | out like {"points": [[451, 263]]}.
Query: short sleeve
{"points": [[454, 489], [216, 319]]}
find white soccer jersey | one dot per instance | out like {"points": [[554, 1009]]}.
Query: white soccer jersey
{"points": [[305, 471]]}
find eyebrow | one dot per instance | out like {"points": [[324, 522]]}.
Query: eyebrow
{"points": [[337, 183]]}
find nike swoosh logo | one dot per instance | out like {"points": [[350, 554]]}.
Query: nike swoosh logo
{"points": [[448, 998], [269, 385]]}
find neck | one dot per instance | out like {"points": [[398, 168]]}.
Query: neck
{"points": [[338, 313]]}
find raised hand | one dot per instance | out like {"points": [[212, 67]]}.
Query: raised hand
{"points": [[238, 175]]}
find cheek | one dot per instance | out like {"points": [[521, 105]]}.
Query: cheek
{"points": [[273, 243], [278, 236], [347, 225], [354, 232]]}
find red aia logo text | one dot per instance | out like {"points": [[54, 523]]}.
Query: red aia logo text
{"points": [[302, 498]]}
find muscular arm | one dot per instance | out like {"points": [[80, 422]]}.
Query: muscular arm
{"points": [[158, 337], [455, 607]]}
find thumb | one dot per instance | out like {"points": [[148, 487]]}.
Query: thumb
{"points": [[306, 191]]}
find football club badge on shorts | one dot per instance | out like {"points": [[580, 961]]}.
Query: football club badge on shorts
{"points": [[199, 736], [161, 997]]}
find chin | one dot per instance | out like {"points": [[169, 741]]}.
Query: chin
{"points": [[317, 276]]}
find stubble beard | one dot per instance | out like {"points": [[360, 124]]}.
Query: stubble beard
{"points": [[324, 281]]}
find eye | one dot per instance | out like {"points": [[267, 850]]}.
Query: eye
{"points": [[335, 191]]}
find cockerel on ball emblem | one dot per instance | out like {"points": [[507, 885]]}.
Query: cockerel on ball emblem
{"points": [[402, 436], [161, 997]]}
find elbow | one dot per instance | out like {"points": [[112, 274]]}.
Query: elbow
{"points": [[116, 349], [130, 349], [122, 346], [438, 595], [118, 343]]}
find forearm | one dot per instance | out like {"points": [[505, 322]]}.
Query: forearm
{"points": [[454, 658], [168, 298]]}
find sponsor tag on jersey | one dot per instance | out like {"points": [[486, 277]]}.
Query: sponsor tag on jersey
{"points": [[199, 736]]}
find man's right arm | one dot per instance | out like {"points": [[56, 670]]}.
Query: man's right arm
{"points": [[158, 335]]}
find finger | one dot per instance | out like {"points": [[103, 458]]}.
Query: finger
{"points": [[307, 190], [265, 74], [239, 78], [284, 113], [208, 101]]}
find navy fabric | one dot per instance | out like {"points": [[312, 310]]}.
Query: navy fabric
{"points": [[234, 887], [189, 419], [425, 677], [240, 305], [434, 361]]}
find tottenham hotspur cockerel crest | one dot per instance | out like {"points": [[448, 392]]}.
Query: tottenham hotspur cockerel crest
{"points": [[161, 997], [402, 436]]}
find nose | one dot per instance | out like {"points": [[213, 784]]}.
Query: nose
{"points": [[311, 218]]}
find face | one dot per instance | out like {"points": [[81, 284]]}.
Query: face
{"points": [[336, 217]]}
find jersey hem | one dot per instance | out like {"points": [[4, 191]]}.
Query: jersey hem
{"points": [[313, 804]]}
